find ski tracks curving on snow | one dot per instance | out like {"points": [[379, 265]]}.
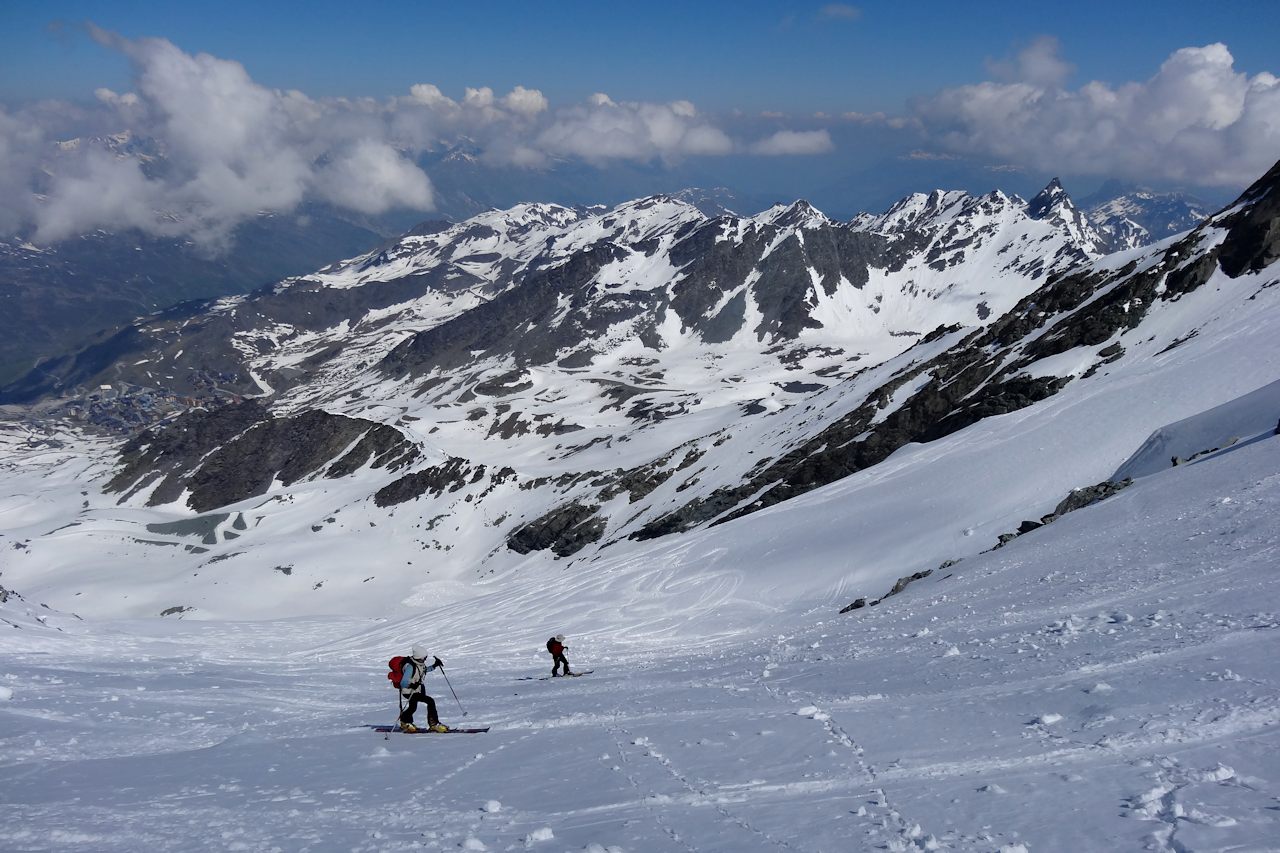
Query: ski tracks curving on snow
{"points": [[882, 821]]}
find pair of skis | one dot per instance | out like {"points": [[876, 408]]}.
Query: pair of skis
{"points": [[424, 731], [549, 677]]}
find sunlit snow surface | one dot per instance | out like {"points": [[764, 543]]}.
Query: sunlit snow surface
{"points": [[1108, 682]]}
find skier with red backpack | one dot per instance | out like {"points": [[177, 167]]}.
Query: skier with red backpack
{"points": [[407, 674]]}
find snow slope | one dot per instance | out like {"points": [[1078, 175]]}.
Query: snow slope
{"points": [[1105, 683], [1247, 418]]}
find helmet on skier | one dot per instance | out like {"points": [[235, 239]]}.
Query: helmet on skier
{"points": [[418, 653], [559, 638]]}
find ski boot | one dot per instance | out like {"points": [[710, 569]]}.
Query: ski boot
{"points": [[440, 728], [408, 728]]}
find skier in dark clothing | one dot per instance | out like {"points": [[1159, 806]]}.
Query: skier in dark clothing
{"points": [[556, 647], [412, 689]]}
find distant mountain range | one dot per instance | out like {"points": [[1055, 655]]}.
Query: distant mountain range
{"points": [[788, 275], [1133, 216], [58, 296], [559, 381]]}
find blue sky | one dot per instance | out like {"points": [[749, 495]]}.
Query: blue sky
{"points": [[265, 106], [721, 55]]}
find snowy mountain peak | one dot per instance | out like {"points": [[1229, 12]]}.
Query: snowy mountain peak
{"points": [[530, 213], [1054, 204], [1049, 201], [636, 221], [798, 214], [916, 209]]}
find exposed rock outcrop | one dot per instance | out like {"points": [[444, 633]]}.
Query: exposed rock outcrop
{"points": [[237, 452], [565, 531]]}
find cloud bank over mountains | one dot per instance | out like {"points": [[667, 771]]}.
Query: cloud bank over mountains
{"points": [[199, 146], [220, 148], [1197, 120]]}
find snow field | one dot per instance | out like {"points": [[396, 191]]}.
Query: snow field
{"points": [[1113, 688]]}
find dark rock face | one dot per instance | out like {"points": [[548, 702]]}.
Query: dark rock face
{"points": [[382, 446], [169, 453], [898, 586], [1253, 241], [902, 583], [1078, 499], [453, 475], [1046, 200], [289, 449], [518, 320], [714, 267], [236, 452], [565, 531], [1088, 496]]}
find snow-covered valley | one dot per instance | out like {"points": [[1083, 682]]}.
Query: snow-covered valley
{"points": [[1107, 682]]}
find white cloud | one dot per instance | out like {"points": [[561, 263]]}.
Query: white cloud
{"points": [[231, 149], [603, 129], [101, 190], [839, 12], [106, 96], [1196, 120], [21, 145], [198, 146], [527, 102], [478, 98], [880, 118], [793, 142], [684, 109], [1038, 63], [928, 156], [429, 95], [372, 177]]}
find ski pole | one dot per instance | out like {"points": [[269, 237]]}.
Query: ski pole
{"points": [[451, 690], [396, 724]]}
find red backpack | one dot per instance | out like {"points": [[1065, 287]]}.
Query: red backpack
{"points": [[396, 664]]}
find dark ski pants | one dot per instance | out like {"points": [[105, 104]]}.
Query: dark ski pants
{"points": [[406, 716], [560, 659]]}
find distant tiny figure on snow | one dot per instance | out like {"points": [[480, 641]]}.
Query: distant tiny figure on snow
{"points": [[407, 674], [556, 647]]}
